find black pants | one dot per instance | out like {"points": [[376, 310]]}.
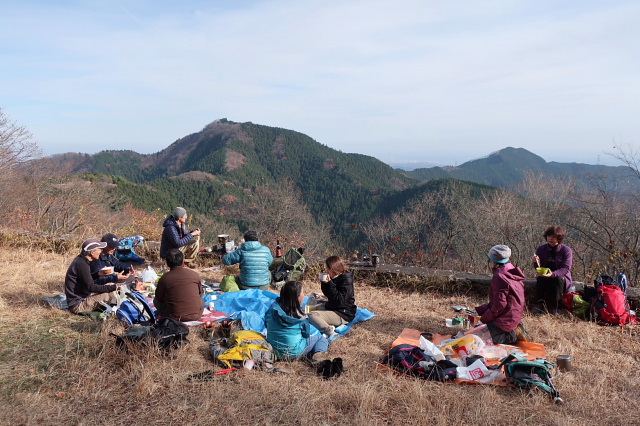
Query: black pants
{"points": [[501, 337], [550, 291]]}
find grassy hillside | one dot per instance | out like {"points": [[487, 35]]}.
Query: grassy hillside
{"points": [[58, 368]]}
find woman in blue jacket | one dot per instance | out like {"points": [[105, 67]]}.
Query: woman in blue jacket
{"points": [[288, 329]]}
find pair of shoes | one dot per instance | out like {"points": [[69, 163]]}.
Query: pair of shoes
{"points": [[338, 367], [329, 369]]}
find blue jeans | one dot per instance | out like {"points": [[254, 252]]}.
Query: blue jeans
{"points": [[315, 343]]}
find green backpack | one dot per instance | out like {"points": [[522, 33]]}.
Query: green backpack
{"points": [[531, 374], [292, 267]]}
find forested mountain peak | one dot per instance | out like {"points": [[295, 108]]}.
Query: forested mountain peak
{"points": [[508, 167]]}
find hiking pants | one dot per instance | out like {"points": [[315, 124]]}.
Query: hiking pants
{"points": [[315, 343], [191, 250], [550, 291], [92, 303], [323, 319], [501, 337]]}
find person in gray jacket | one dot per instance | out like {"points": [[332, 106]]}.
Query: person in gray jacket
{"points": [[254, 260]]}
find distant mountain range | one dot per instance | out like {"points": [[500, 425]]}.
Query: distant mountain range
{"points": [[509, 166], [214, 172]]}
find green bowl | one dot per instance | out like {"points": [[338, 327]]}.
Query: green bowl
{"points": [[542, 271]]}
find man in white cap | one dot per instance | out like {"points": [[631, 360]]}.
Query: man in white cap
{"points": [[503, 314], [83, 294], [175, 235]]}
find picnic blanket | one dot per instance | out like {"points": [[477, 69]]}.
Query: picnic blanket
{"points": [[250, 306], [493, 354]]}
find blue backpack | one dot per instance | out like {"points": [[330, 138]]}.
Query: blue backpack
{"points": [[126, 249], [134, 309]]}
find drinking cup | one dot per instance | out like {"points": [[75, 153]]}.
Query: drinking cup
{"points": [[564, 362]]}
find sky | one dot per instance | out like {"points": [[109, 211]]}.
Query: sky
{"points": [[432, 81]]}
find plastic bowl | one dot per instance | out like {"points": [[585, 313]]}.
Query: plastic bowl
{"points": [[108, 269], [542, 271]]}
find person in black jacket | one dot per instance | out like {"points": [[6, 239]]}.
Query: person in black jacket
{"points": [[121, 270], [83, 294], [340, 307]]}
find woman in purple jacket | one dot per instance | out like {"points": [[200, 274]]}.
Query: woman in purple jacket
{"points": [[559, 259], [503, 314]]}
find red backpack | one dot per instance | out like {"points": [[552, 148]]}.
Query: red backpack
{"points": [[611, 306]]}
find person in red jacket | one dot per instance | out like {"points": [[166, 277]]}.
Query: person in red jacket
{"points": [[503, 314]]}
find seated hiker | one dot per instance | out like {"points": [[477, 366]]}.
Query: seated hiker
{"points": [[503, 314], [175, 235], [83, 294], [179, 291], [558, 258], [254, 260], [288, 329], [121, 270], [340, 307]]}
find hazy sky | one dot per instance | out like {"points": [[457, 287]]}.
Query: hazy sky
{"points": [[441, 81]]}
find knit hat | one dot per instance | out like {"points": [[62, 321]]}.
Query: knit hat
{"points": [[92, 244], [499, 253], [111, 240], [179, 212]]}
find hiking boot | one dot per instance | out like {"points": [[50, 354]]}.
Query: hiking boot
{"points": [[338, 368], [318, 358], [522, 334], [538, 311], [325, 369], [331, 332]]}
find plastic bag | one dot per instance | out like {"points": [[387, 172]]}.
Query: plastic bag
{"points": [[464, 346], [149, 275], [475, 371], [482, 331], [430, 349]]}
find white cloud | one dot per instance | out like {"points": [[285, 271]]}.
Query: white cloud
{"points": [[430, 79]]}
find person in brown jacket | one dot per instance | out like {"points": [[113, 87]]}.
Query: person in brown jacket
{"points": [[179, 291]]}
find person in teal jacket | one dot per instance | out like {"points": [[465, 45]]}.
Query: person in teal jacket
{"points": [[254, 260], [288, 328]]}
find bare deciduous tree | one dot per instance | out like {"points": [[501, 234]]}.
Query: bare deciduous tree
{"points": [[16, 144], [279, 213]]}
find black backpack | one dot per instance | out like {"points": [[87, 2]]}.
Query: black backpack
{"points": [[414, 361], [167, 334]]}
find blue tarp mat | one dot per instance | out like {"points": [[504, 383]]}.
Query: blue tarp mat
{"points": [[250, 306]]}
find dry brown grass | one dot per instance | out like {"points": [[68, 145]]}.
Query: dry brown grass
{"points": [[58, 368]]}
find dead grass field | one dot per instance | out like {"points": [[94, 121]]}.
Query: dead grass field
{"points": [[60, 369]]}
